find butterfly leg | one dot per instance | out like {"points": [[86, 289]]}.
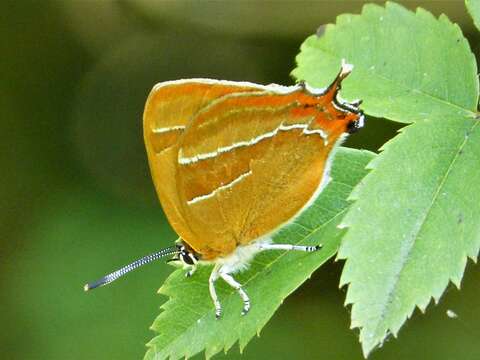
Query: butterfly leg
{"points": [[191, 271], [213, 293], [289, 247], [237, 286]]}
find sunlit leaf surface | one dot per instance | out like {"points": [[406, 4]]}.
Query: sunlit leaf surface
{"points": [[187, 323], [416, 218], [407, 66], [473, 7]]}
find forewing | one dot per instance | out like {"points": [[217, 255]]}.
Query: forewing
{"points": [[171, 105], [168, 111]]}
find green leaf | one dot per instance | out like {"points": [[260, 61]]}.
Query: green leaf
{"points": [[407, 66], [187, 324], [415, 221], [473, 7], [416, 218]]}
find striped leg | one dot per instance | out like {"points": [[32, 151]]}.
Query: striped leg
{"points": [[237, 286], [289, 247], [213, 294]]}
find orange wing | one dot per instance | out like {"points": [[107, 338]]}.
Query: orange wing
{"points": [[233, 162], [171, 105], [250, 162], [168, 111]]}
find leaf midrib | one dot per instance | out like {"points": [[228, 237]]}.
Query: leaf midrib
{"points": [[230, 293], [405, 258]]}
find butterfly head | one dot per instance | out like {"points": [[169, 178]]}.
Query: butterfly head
{"points": [[184, 256]]}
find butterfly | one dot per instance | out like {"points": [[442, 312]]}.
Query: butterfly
{"points": [[234, 162]]}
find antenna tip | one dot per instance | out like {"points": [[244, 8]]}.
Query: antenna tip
{"points": [[86, 287]]}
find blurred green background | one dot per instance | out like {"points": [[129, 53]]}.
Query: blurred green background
{"points": [[77, 201]]}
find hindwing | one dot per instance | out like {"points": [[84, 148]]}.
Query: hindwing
{"points": [[249, 162], [233, 162]]}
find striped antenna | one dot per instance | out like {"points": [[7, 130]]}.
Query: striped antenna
{"points": [[140, 262]]}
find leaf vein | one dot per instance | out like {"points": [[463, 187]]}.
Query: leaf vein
{"points": [[412, 90], [231, 292], [406, 250]]}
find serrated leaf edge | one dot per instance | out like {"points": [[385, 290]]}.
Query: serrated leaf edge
{"points": [[232, 293], [372, 165], [419, 11]]}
